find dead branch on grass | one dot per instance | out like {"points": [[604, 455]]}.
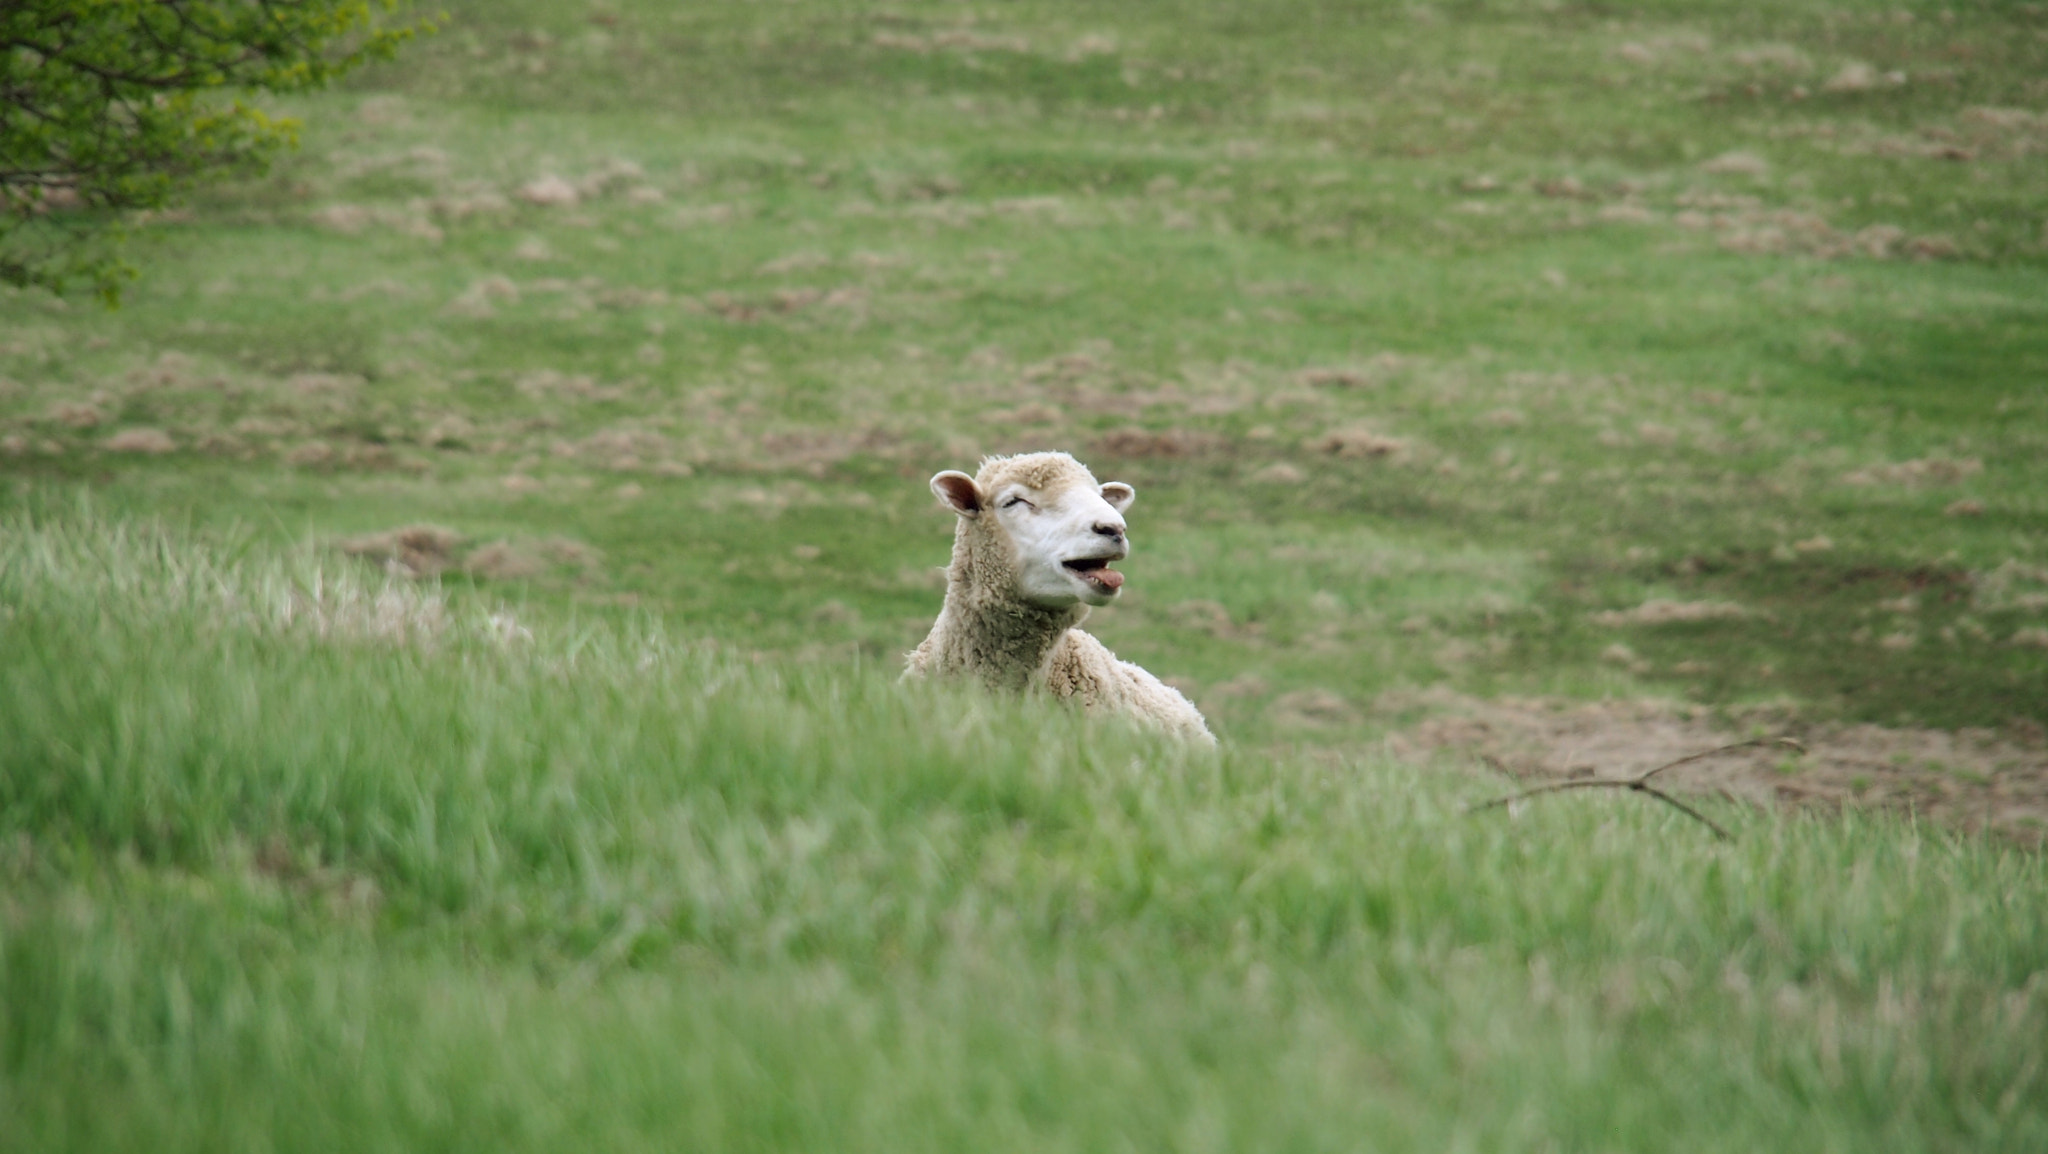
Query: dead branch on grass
{"points": [[1641, 782]]}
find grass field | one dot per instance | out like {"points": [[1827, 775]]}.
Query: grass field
{"points": [[1479, 366]]}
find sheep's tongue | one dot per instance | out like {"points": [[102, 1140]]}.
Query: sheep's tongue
{"points": [[1106, 577]]}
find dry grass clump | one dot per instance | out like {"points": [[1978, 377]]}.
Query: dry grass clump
{"points": [[702, 215], [553, 385], [349, 454], [1783, 57], [325, 386], [1358, 443], [1621, 212], [1978, 133], [1311, 709], [2001, 133], [962, 40], [1738, 164], [805, 260], [549, 191], [512, 560], [1031, 414], [781, 303], [1375, 371], [475, 201], [816, 450], [1212, 618], [1622, 655], [1135, 443], [1856, 76], [2012, 585], [1566, 187], [622, 449], [275, 427], [346, 610], [421, 551], [75, 414], [412, 551], [1744, 224], [153, 442], [2009, 119], [448, 431], [480, 299], [1917, 472], [930, 202], [1335, 378], [1660, 611], [409, 219], [139, 571], [349, 218]]}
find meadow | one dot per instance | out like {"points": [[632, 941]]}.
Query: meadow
{"points": [[449, 613]]}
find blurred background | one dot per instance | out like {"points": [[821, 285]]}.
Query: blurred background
{"points": [[1428, 334]]}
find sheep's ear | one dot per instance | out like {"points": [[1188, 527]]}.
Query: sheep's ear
{"points": [[1119, 495], [958, 490]]}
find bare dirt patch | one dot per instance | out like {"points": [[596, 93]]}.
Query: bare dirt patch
{"points": [[1975, 779], [1358, 442], [411, 551], [1136, 443]]}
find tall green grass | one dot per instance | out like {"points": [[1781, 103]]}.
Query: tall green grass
{"points": [[1650, 297], [280, 875]]}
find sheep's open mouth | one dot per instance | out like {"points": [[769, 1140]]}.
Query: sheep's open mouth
{"points": [[1096, 571]]}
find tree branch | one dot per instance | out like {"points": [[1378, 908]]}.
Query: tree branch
{"points": [[1640, 783]]}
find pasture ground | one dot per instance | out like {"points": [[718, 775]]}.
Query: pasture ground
{"points": [[448, 613]]}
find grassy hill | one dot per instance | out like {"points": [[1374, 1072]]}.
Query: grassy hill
{"points": [[448, 616]]}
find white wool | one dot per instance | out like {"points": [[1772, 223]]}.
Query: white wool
{"points": [[1013, 605]]}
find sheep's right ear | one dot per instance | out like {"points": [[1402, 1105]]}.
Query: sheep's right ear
{"points": [[958, 490]]}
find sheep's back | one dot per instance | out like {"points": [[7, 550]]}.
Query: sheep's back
{"points": [[1082, 668]]}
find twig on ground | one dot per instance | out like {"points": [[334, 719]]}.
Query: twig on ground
{"points": [[1641, 782]]}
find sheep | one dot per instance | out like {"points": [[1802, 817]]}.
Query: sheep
{"points": [[1031, 553]]}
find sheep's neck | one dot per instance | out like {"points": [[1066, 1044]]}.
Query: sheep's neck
{"points": [[994, 636]]}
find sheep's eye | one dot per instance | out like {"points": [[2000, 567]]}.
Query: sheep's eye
{"points": [[1016, 501]]}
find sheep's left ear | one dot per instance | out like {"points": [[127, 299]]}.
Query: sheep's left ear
{"points": [[1119, 495]]}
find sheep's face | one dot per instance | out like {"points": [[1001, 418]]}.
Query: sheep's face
{"points": [[1062, 532]]}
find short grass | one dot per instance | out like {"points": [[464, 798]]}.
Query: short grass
{"points": [[1436, 340]]}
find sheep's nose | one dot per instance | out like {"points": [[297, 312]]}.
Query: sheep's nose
{"points": [[1109, 529]]}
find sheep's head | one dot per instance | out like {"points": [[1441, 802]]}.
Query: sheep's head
{"points": [[1059, 527]]}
